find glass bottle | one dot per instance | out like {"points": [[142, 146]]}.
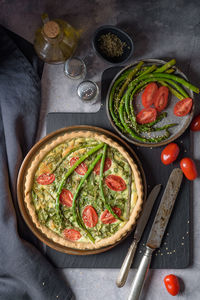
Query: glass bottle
{"points": [[55, 41]]}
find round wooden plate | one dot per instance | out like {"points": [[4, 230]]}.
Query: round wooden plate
{"points": [[22, 174]]}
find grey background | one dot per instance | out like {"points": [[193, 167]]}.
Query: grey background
{"points": [[160, 29]]}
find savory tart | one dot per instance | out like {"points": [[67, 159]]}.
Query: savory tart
{"points": [[83, 190]]}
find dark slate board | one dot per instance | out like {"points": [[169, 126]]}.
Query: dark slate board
{"points": [[175, 249]]}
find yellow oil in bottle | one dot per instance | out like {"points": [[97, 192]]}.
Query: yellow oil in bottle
{"points": [[55, 41]]}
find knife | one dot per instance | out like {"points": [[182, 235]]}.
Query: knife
{"points": [[123, 274], [157, 231]]}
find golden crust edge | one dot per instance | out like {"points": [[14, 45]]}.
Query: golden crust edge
{"points": [[55, 237]]}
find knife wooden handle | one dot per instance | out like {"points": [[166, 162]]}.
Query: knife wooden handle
{"points": [[138, 281], [123, 274]]}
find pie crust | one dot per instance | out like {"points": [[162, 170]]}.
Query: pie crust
{"points": [[117, 236]]}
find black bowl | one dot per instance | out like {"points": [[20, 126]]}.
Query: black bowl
{"points": [[123, 36]]}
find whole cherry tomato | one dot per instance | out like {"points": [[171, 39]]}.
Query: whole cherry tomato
{"points": [[188, 167], [172, 284], [170, 153], [195, 125]]}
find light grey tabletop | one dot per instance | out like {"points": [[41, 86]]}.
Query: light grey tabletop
{"points": [[160, 29]]}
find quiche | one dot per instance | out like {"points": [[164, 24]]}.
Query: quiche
{"points": [[83, 190]]}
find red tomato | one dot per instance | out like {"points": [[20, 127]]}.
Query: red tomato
{"points": [[46, 179], [170, 153], [148, 94], [188, 167], [183, 107], [172, 284], [81, 169], [66, 198], [146, 115], [72, 234], [107, 165], [115, 183], [161, 98], [195, 125], [90, 217], [108, 218]]}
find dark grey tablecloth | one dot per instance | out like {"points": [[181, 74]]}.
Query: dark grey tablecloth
{"points": [[24, 272]]}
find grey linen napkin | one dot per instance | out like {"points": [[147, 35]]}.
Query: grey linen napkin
{"points": [[24, 272]]}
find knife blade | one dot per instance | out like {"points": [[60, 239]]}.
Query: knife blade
{"points": [[123, 274], [157, 231]]}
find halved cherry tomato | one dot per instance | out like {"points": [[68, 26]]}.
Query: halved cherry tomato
{"points": [[90, 217], [66, 198], [115, 183], [72, 234], [170, 153], [108, 218], [107, 165], [45, 179], [195, 125], [188, 167], [183, 107], [172, 284], [81, 169], [148, 94], [161, 98], [146, 115]]}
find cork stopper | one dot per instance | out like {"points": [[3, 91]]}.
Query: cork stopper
{"points": [[51, 29]]}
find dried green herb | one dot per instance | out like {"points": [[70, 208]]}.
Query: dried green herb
{"points": [[111, 45]]}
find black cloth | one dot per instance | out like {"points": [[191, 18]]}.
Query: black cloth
{"points": [[24, 272]]}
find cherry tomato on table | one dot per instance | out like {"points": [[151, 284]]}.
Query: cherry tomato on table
{"points": [[46, 179], [108, 218], [172, 284], [188, 167], [195, 125], [90, 217], [66, 198], [107, 165], [146, 115], [161, 98], [148, 94], [81, 169], [115, 183], [72, 234], [170, 153], [183, 107]]}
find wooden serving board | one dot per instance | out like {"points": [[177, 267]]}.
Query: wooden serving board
{"points": [[175, 249]]}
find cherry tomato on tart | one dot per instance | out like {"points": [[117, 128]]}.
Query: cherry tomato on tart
{"points": [[81, 169], [107, 165], [66, 198], [161, 98], [72, 234], [172, 284], [76, 206], [195, 125], [45, 179], [183, 107], [170, 153], [146, 115], [115, 183], [89, 216], [189, 168], [108, 218], [149, 93]]}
